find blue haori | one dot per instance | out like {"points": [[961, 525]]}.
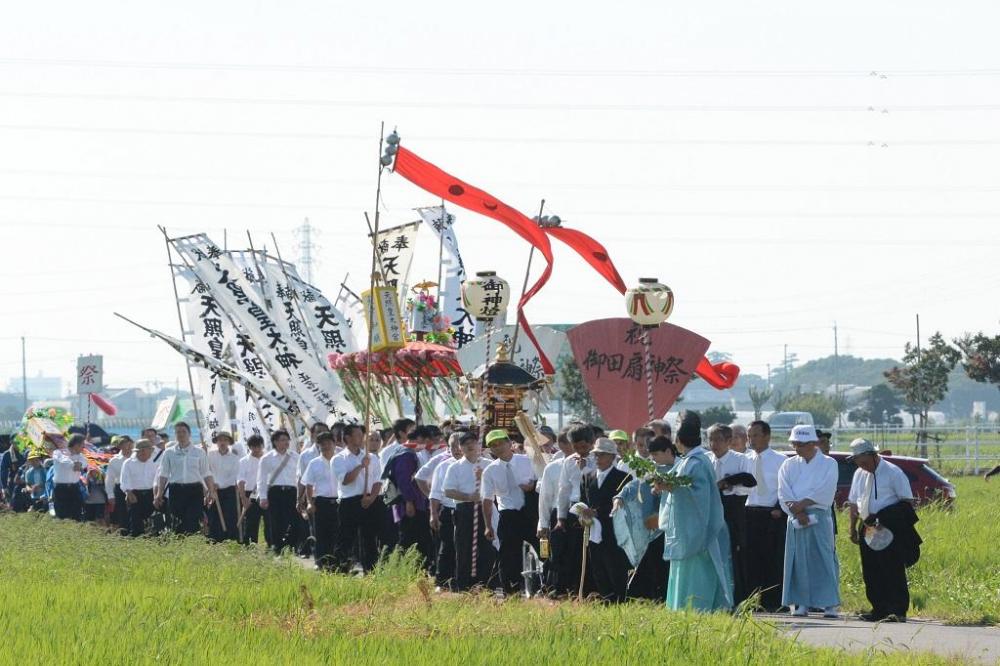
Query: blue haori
{"points": [[812, 573], [696, 539]]}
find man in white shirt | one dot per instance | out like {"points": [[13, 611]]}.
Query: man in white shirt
{"points": [[305, 529], [548, 489], [807, 483], [765, 521], [112, 481], [224, 467], [277, 490], [442, 514], [184, 473], [474, 553], [321, 501], [506, 481], [576, 470], [138, 476], [246, 482], [733, 473], [360, 509], [881, 498], [67, 466], [740, 439]]}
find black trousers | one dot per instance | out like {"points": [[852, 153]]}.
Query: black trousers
{"points": [[609, 565], [650, 578], [251, 521], [119, 517], [512, 530], [885, 581], [444, 572], [281, 509], [572, 559], [227, 501], [68, 501], [139, 512], [416, 531], [388, 534], [554, 569], [357, 539], [325, 522], [765, 555], [485, 553], [734, 512], [186, 502]]}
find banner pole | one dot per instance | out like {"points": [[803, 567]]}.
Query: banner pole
{"points": [[524, 288], [371, 300]]}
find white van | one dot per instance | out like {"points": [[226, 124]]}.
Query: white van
{"points": [[788, 420]]}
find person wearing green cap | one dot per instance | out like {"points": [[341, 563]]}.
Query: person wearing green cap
{"points": [[507, 481]]}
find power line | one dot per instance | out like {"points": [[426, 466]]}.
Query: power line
{"points": [[496, 71]]}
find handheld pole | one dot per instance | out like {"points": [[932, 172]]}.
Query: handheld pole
{"points": [[524, 289]]}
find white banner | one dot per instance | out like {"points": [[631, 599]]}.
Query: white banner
{"points": [[242, 357], [349, 303], [395, 253], [315, 391], [442, 222], [473, 355], [206, 328]]}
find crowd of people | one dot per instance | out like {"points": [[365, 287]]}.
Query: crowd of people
{"points": [[712, 527]]}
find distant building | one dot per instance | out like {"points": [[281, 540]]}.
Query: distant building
{"points": [[39, 388]]}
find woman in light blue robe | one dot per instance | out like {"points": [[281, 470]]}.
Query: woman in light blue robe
{"points": [[696, 539]]}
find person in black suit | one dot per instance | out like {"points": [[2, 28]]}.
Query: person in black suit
{"points": [[608, 563]]}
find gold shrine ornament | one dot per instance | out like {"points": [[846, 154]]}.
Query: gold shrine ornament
{"points": [[388, 332]]}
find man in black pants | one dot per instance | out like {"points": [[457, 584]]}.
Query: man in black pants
{"points": [[67, 466], [507, 480], [608, 562], [474, 553], [138, 476], [881, 497], [276, 484], [321, 501], [184, 472], [765, 521], [360, 510], [247, 486], [576, 468], [442, 516]]}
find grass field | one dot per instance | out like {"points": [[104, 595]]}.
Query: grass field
{"points": [[70, 594]]}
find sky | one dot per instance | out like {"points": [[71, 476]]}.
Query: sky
{"points": [[782, 166]]}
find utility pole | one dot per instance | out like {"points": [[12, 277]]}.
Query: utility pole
{"points": [[922, 433], [24, 375], [836, 373], [784, 365]]}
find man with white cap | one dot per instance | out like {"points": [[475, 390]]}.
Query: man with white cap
{"points": [[881, 499], [807, 483], [138, 477]]}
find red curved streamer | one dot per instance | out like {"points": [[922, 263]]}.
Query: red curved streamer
{"points": [[426, 176], [592, 252], [720, 376], [103, 404]]}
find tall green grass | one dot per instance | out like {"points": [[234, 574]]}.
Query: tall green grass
{"points": [[958, 576], [70, 594]]}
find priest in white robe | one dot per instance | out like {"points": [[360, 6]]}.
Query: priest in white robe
{"points": [[807, 483]]}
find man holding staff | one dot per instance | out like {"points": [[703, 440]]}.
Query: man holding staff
{"points": [[357, 473], [246, 481], [224, 467], [474, 553]]}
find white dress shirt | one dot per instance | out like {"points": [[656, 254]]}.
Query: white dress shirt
{"points": [[437, 482], [62, 465], [732, 462], [269, 464], [248, 474], [224, 468], [113, 474], [815, 480], [319, 475], [138, 475], [426, 471], [548, 489], [570, 478], [184, 465], [306, 456], [765, 466], [461, 476], [503, 480], [345, 462], [873, 492]]}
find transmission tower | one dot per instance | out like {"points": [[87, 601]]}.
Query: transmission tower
{"points": [[308, 249]]}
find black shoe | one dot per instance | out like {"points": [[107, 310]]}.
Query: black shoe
{"points": [[894, 618], [871, 617]]}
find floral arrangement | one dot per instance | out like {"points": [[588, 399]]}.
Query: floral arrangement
{"points": [[424, 305], [648, 472], [62, 418]]}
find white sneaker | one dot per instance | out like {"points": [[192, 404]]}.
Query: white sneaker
{"points": [[800, 611], [831, 612]]}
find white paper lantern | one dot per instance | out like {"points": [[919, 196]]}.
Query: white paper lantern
{"points": [[485, 296], [650, 303]]}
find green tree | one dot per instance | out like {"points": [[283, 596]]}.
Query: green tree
{"points": [[922, 380], [574, 392], [883, 403], [721, 414], [981, 357], [758, 398]]}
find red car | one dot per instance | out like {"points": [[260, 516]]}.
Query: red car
{"points": [[927, 483]]}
